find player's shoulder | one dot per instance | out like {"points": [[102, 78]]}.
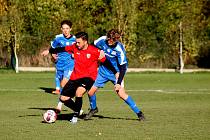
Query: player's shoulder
{"points": [[93, 48], [120, 46], [73, 36], [100, 39], [59, 36]]}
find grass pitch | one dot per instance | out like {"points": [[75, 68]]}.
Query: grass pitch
{"points": [[176, 106]]}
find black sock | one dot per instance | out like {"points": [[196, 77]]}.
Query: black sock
{"points": [[78, 102], [70, 104]]}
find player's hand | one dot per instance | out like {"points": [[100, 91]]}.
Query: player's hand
{"points": [[102, 54], [117, 75], [117, 87], [45, 53], [55, 57]]}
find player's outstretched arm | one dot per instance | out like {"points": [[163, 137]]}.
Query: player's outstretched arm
{"points": [[57, 50], [120, 77], [123, 69], [117, 87], [68, 49], [45, 53], [106, 62]]}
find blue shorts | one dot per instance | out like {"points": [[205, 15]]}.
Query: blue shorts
{"points": [[61, 74], [103, 79]]}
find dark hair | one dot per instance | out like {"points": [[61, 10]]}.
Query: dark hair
{"points": [[82, 35], [113, 34], [68, 22]]}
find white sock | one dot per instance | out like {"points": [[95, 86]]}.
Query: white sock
{"points": [[59, 106]]}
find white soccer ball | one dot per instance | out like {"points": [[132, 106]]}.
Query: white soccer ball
{"points": [[50, 116]]}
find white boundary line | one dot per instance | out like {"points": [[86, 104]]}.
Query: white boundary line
{"points": [[195, 91], [41, 69]]}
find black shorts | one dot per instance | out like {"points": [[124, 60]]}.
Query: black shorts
{"points": [[72, 85]]}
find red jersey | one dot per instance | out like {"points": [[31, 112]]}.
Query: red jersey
{"points": [[85, 61]]}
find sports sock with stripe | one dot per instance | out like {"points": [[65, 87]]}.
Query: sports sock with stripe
{"points": [[92, 100], [132, 104]]}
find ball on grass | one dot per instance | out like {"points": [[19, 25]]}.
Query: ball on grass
{"points": [[50, 116]]}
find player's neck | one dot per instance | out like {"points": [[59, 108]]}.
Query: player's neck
{"points": [[68, 36], [85, 47]]}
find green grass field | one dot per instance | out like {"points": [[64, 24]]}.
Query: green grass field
{"points": [[176, 106]]}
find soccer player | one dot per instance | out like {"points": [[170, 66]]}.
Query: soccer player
{"points": [[64, 61], [115, 52], [86, 58]]}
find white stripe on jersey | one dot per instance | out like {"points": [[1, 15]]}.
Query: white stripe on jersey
{"points": [[57, 36], [122, 55], [60, 35], [112, 56], [99, 39]]}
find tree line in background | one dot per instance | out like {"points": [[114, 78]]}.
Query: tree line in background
{"points": [[150, 29]]}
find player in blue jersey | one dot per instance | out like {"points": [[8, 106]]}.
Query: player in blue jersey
{"points": [[116, 54], [64, 62]]}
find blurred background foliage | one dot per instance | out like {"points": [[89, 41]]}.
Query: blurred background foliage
{"points": [[150, 29]]}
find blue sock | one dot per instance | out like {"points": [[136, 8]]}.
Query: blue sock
{"points": [[92, 100], [132, 104]]}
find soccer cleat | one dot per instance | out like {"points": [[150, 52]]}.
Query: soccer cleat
{"points": [[141, 116], [57, 91], [91, 113], [81, 112], [59, 106], [74, 119]]}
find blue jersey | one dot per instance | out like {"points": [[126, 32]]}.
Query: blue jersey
{"points": [[64, 60], [116, 55]]}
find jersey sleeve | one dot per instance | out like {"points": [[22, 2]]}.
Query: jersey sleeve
{"points": [[70, 48], [99, 42], [96, 52], [121, 54], [54, 43], [103, 58]]}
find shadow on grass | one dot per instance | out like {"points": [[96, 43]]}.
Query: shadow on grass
{"points": [[47, 90], [28, 116], [43, 108], [112, 118], [70, 115]]}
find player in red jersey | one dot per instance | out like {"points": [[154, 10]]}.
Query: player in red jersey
{"points": [[86, 58]]}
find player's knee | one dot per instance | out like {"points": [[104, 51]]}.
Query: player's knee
{"points": [[80, 91], [90, 93], [122, 95], [64, 98], [63, 82], [79, 94], [62, 85]]}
